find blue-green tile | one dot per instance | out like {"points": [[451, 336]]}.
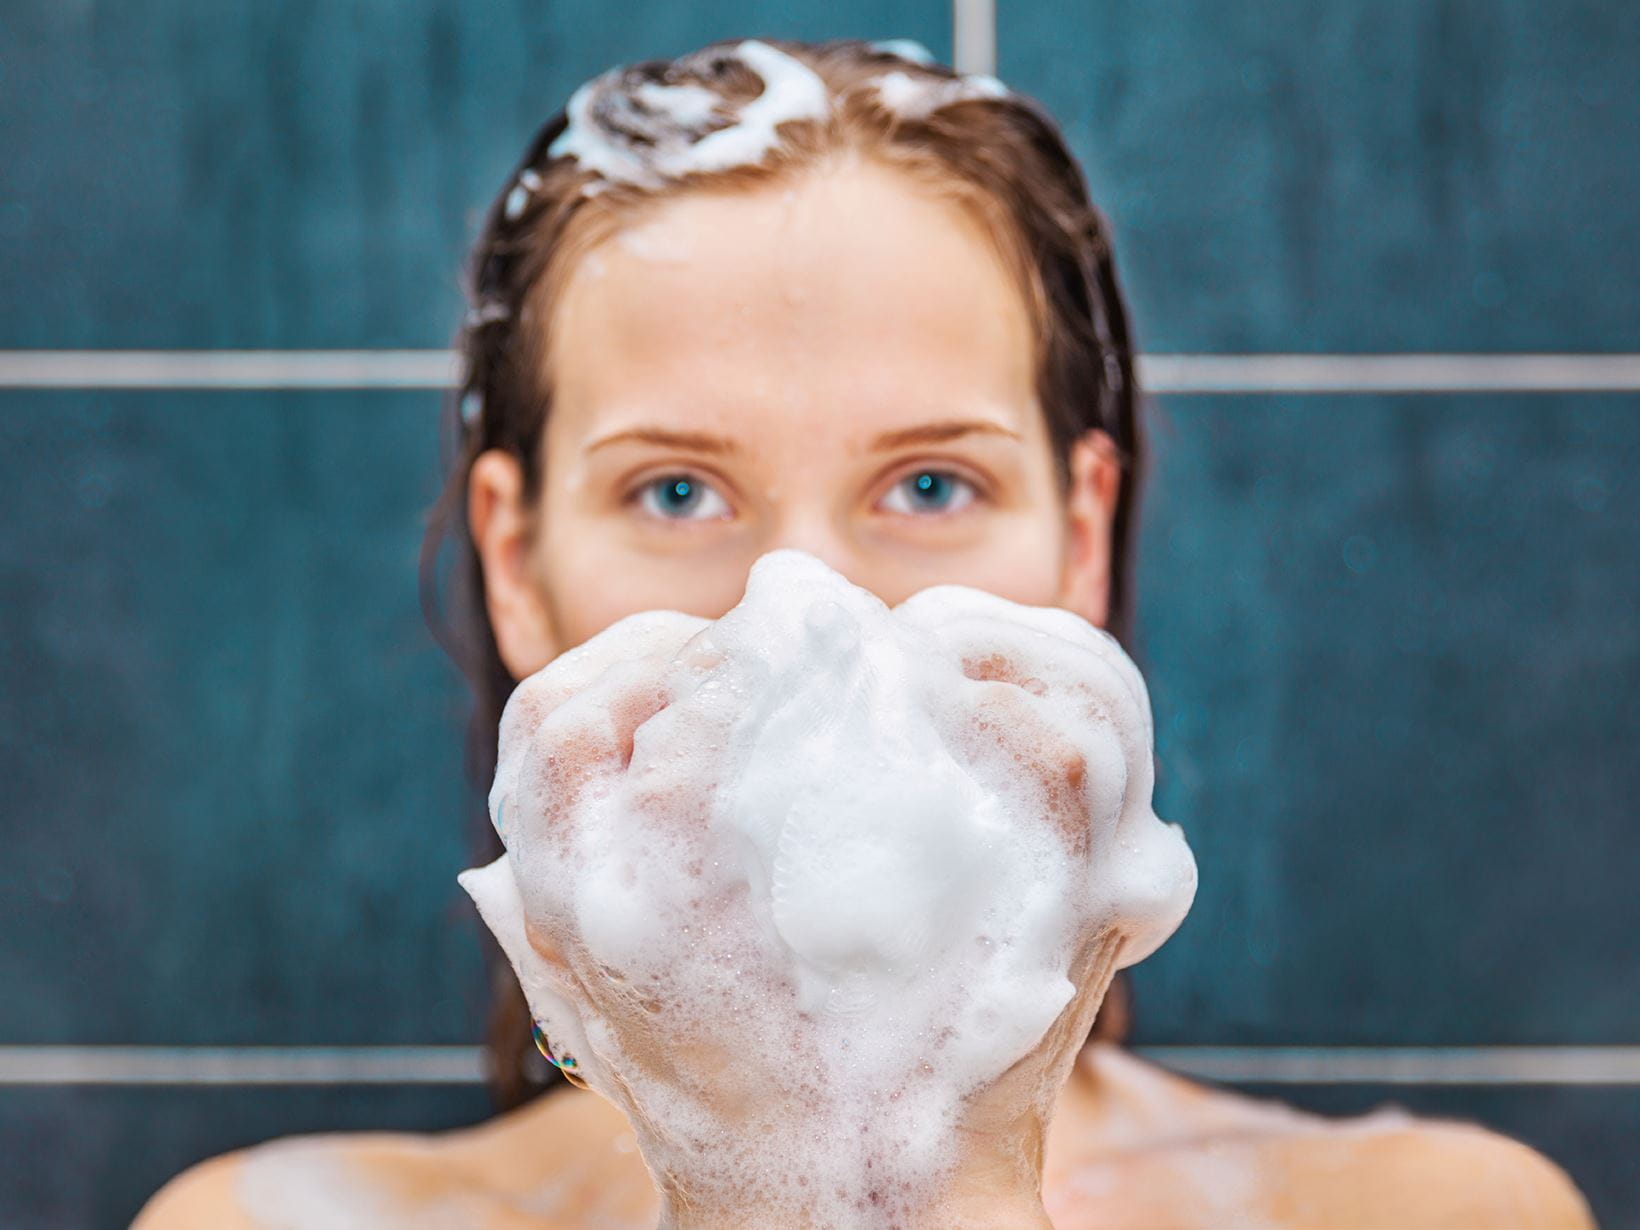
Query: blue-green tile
{"points": [[202, 173], [1355, 177], [1393, 645], [234, 807]]}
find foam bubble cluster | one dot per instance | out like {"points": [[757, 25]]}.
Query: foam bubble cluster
{"points": [[793, 884], [625, 127], [918, 97], [647, 133]]}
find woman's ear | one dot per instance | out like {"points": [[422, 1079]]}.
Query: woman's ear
{"points": [[1090, 513], [513, 594]]}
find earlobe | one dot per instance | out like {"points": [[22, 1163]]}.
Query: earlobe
{"points": [[1090, 512], [500, 526]]}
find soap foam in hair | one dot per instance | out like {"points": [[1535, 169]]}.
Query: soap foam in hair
{"points": [[676, 119]]}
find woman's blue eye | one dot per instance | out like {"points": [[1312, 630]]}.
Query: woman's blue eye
{"points": [[682, 497], [931, 491]]}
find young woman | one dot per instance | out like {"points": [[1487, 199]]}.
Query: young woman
{"points": [[832, 297]]}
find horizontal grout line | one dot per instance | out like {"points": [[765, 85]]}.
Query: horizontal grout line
{"points": [[228, 369], [241, 1065], [1391, 373], [464, 1065], [1404, 1065], [1163, 374]]}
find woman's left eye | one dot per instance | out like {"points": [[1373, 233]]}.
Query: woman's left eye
{"points": [[925, 491], [681, 497]]}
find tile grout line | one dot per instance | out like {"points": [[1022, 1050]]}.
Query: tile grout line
{"points": [[47, 1065], [1176, 374], [974, 36], [1405, 1065]]}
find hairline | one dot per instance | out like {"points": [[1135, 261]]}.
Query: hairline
{"points": [[598, 218]]}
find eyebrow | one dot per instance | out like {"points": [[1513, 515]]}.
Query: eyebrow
{"points": [[699, 441], [938, 433], [703, 442]]}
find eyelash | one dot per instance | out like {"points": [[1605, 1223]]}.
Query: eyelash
{"points": [[693, 480], [975, 489], [636, 495]]}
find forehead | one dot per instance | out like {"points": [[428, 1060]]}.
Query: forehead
{"points": [[848, 292]]}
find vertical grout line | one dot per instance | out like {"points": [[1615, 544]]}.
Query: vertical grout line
{"points": [[974, 36]]}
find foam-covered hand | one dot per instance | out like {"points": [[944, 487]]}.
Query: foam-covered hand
{"points": [[824, 895]]}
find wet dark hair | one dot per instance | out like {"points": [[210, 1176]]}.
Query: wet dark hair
{"points": [[998, 154]]}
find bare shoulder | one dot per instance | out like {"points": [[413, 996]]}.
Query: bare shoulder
{"points": [[1441, 1172], [199, 1198], [271, 1182], [556, 1161], [1163, 1149]]}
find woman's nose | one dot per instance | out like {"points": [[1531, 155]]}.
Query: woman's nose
{"points": [[856, 564], [821, 540]]}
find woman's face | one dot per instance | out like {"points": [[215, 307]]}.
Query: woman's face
{"points": [[842, 364]]}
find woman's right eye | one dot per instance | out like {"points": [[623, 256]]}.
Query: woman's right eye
{"points": [[681, 497]]}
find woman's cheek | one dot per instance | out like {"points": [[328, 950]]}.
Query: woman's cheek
{"points": [[597, 578], [1028, 562], [1011, 555]]}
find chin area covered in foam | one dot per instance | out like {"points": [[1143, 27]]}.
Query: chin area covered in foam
{"points": [[792, 885]]}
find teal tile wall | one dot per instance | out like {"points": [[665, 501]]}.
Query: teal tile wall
{"points": [[1393, 641], [1401, 175], [1390, 643], [232, 750], [201, 173]]}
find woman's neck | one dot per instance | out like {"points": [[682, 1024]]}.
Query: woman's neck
{"points": [[998, 1182]]}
